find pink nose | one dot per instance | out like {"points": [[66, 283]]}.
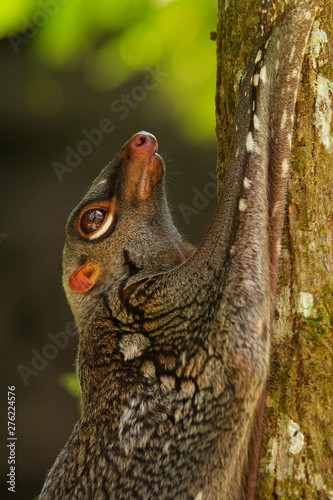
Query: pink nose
{"points": [[143, 141]]}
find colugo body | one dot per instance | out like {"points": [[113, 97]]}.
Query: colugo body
{"points": [[174, 342]]}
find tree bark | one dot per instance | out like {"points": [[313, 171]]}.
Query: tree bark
{"points": [[297, 445]]}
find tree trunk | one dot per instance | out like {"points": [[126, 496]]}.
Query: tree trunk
{"points": [[297, 446]]}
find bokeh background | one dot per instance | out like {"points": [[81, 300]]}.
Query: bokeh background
{"points": [[69, 67]]}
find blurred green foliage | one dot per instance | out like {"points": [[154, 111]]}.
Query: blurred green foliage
{"points": [[111, 41], [70, 382]]}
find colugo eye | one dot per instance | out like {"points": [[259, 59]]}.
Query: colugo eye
{"points": [[92, 219], [96, 220]]}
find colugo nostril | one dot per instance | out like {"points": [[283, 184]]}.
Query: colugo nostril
{"points": [[144, 141]]}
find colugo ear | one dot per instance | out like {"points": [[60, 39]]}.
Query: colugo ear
{"points": [[84, 278]]}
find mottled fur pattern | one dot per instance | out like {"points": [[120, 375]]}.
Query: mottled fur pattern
{"points": [[174, 344]]}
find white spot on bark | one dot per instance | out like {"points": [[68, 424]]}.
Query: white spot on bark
{"points": [[271, 466], [323, 87], [199, 496], [242, 205], [246, 183], [256, 122], [318, 40], [323, 111], [305, 304], [263, 74], [319, 482], [300, 474], [253, 105], [256, 80], [296, 442], [277, 64], [289, 137]]}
